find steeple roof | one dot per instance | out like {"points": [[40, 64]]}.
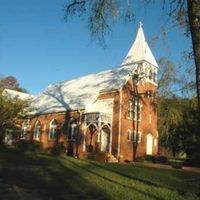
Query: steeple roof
{"points": [[140, 50]]}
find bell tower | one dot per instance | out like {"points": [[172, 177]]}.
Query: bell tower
{"points": [[141, 54]]}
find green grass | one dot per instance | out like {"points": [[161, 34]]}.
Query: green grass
{"points": [[49, 177]]}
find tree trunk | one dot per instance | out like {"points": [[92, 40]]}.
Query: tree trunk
{"points": [[194, 22], [136, 100]]}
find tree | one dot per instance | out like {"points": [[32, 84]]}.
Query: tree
{"points": [[10, 111], [101, 13], [178, 126], [169, 116], [194, 22], [10, 82]]}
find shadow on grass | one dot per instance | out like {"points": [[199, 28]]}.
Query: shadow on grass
{"points": [[100, 175], [45, 176], [182, 187]]}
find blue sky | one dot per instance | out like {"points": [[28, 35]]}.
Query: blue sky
{"points": [[39, 48]]}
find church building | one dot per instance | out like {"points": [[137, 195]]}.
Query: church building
{"points": [[112, 112]]}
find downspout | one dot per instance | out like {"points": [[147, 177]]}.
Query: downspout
{"points": [[120, 124]]}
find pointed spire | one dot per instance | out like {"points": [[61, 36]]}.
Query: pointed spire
{"points": [[140, 50], [140, 24]]}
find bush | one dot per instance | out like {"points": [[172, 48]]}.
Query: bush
{"points": [[28, 145], [90, 148], [177, 164], [149, 158], [140, 159], [161, 159], [194, 162], [57, 150]]}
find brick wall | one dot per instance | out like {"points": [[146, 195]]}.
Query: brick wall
{"points": [[147, 125]]}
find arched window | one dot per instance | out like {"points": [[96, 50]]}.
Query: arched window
{"points": [[71, 129], [53, 130], [137, 137], [25, 126], [130, 109], [137, 112], [154, 77], [150, 75], [37, 131], [129, 135]]}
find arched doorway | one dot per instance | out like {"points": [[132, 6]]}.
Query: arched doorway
{"points": [[149, 144], [105, 138], [91, 135]]}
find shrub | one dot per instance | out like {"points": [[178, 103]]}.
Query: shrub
{"points": [[140, 159], [177, 164], [90, 148], [195, 162], [161, 159], [28, 145], [57, 149], [149, 158], [97, 156]]}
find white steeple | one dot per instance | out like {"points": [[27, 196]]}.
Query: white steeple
{"points": [[140, 50]]}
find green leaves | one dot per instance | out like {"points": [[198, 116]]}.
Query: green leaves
{"points": [[10, 110]]}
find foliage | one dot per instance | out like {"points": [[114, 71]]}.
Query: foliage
{"points": [[28, 145], [100, 15], [178, 125], [167, 77], [161, 159], [149, 158], [48, 177], [10, 111], [139, 159], [176, 164], [193, 160], [154, 159], [57, 150], [10, 82]]}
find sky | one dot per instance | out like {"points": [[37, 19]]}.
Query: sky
{"points": [[39, 48]]}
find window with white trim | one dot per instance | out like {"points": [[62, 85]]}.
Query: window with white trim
{"points": [[130, 109], [25, 126], [154, 77], [137, 137], [37, 131], [129, 135], [53, 130], [150, 75], [137, 111], [71, 129]]}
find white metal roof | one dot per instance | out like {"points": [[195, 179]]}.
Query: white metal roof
{"points": [[16, 94], [140, 50], [78, 93]]}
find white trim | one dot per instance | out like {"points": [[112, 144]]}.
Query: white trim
{"points": [[130, 109], [135, 114], [111, 127], [84, 137], [120, 123], [129, 135], [54, 129], [37, 130]]}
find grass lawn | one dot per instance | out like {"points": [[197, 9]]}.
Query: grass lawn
{"points": [[41, 176]]}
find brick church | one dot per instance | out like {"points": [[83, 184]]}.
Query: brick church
{"points": [[113, 111]]}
